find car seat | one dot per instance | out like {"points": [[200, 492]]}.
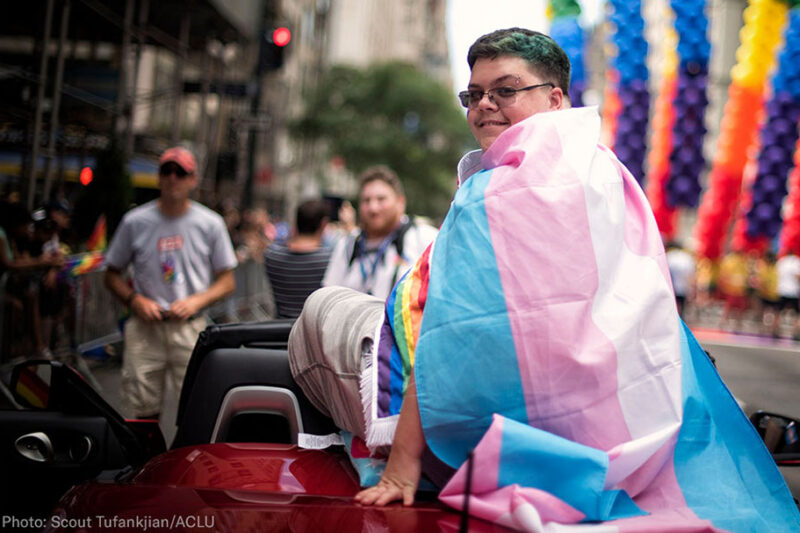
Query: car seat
{"points": [[238, 388]]}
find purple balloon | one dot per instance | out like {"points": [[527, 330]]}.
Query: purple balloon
{"points": [[764, 212], [769, 183]]}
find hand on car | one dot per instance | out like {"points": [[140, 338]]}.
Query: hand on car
{"points": [[398, 482]]}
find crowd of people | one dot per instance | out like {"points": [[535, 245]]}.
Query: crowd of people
{"points": [[750, 293], [37, 307], [182, 255], [366, 247]]}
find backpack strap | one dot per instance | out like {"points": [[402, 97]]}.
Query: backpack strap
{"points": [[397, 240], [400, 234]]}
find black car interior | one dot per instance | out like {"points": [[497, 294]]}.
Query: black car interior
{"points": [[238, 388]]}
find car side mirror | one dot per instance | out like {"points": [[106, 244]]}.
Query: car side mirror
{"points": [[780, 434]]}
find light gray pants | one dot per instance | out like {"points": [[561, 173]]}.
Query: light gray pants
{"points": [[326, 344]]}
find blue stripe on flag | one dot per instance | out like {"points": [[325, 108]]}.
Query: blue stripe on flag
{"points": [[570, 471], [458, 322], [725, 472]]}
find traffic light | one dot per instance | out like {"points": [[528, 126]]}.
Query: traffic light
{"points": [[86, 176], [281, 36], [272, 49]]}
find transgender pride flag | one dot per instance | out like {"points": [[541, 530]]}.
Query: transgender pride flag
{"points": [[550, 344]]}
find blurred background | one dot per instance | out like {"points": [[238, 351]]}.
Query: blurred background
{"points": [[285, 99]]}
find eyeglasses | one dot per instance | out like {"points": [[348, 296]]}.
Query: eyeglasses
{"points": [[502, 96], [172, 168]]}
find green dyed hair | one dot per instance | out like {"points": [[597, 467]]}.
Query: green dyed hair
{"points": [[547, 59]]}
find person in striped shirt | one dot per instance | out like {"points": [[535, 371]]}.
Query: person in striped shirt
{"points": [[295, 269]]}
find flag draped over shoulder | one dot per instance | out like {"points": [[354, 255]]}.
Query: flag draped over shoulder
{"points": [[544, 335]]}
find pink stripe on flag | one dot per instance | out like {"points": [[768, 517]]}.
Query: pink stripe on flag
{"points": [[490, 447], [568, 367], [498, 505], [495, 504], [672, 520]]}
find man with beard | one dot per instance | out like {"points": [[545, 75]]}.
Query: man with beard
{"points": [[388, 243]]}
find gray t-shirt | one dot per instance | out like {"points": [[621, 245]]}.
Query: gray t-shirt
{"points": [[172, 258]]}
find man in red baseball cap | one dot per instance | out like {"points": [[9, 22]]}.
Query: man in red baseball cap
{"points": [[183, 261], [181, 156]]}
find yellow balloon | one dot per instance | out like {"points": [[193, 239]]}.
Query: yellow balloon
{"points": [[752, 78], [749, 13], [747, 33], [738, 74]]}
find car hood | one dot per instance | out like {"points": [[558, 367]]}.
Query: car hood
{"points": [[244, 487]]}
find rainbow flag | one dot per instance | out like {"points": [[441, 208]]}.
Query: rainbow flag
{"points": [[550, 344], [97, 240], [404, 317], [81, 264]]}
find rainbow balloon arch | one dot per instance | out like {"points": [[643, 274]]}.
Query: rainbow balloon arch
{"points": [[751, 202]]}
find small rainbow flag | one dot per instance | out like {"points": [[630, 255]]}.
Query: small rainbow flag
{"points": [[81, 264], [97, 240]]}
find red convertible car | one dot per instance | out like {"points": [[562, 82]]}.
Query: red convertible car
{"points": [[70, 462]]}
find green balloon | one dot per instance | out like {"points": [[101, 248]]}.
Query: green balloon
{"points": [[566, 8]]}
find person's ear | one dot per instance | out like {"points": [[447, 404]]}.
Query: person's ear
{"points": [[556, 99]]}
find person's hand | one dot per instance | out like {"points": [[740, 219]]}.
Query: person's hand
{"points": [[186, 308], [54, 259], [398, 482], [145, 308]]}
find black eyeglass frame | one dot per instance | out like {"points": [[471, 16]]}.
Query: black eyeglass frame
{"points": [[464, 96]]}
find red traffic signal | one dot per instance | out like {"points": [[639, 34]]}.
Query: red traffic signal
{"points": [[86, 175], [281, 36], [270, 53]]}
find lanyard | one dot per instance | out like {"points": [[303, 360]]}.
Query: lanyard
{"points": [[363, 259]]}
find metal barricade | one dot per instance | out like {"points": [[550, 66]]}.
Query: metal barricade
{"points": [[251, 301], [98, 314]]}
